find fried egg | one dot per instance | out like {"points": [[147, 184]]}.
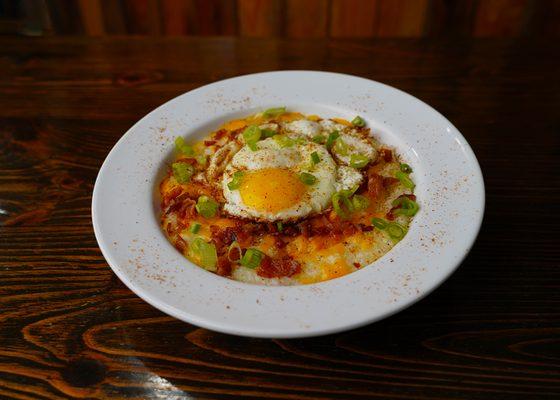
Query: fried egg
{"points": [[271, 187]]}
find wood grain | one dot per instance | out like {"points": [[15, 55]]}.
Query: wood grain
{"points": [[70, 329]]}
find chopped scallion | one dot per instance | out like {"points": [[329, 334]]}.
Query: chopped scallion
{"points": [[379, 223], [395, 231], [342, 204], [408, 207], [266, 132], [183, 148], [358, 161], [315, 159], [307, 178], [205, 252], [360, 202], [320, 139], [194, 227], [274, 112], [252, 258], [235, 183], [332, 138], [279, 226], [182, 172], [405, 168], [206, 207], [283, 141], [359, 122], [340, 147], [252, 134], [405, 180]]}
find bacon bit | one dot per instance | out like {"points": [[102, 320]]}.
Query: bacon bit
{"points": [[389, 181], [375, 184], [366, 228], [357, 265], [223, 266], [278, 267], [305, 229], [220, 134], [209, 142], [279, 242], [171, 196], [180, 244], [386, 154]]}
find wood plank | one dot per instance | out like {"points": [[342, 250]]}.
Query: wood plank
{"points": [[307, 18], [174, 15], [451, 18], [545, 19], [260, 18], [211, 17], [65, 17], [114, 20], [142, 17], [401, 18], [92, 17], [353, 18], [502, 18]]}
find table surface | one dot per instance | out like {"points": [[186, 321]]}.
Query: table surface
{"points": [[69, 328]]}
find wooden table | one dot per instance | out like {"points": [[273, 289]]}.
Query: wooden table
{"points": [[69, 328]]}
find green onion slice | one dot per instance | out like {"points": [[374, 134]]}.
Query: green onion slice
{"points": [[320, 139], [206, 206], [360, 202], [266, 132], [283, 141], [234, 252], [358, 161], [252, 134], [332, 138], [315, 159], [252, 258], [201, 159], [395, 231], [408, 207], [274, 112], [194, 227], [405, 168], [405, 180], [183, 148], [340, 147], [235, 183], [205, 252], [379, 223], [182, 172], [307, 178], [342, 204], [279, 226], [359, 122]]}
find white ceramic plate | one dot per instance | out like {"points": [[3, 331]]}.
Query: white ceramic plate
{"points": [[450, 191]]}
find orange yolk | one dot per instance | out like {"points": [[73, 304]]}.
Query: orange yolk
{"points": [[271, 189]]}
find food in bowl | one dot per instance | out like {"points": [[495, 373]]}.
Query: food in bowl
{"points": [[281, 198]]}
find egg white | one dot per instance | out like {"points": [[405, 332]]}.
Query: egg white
{"points": [[297, 158]]}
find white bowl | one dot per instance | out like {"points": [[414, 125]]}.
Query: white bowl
{"points": [[450, 191]]}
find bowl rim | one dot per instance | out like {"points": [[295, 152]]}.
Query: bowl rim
{"points": [[274, 332]]}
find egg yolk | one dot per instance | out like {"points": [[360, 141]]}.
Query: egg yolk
{"points": [[271, 189]]}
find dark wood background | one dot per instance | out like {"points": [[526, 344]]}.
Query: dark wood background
{"points": [[69, 328], [282, 18]]}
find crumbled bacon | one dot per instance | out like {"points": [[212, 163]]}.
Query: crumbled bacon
{"points": [[186, 160], [223, 266], [170, 196], [220, 134], [386, 154], [357, 265], [278, 267], [375, 184], [388, 181], [209, 142], [180, 244]]}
